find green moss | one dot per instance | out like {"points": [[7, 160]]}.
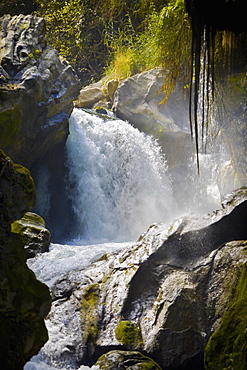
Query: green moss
{"points": [[126, 359], [17, 189], [227, 347], [104, 257], [31, 228], [29, 219], [10, 123], [26, 181], [24, 302], [129, 334], [100, 110], [89, 315]]}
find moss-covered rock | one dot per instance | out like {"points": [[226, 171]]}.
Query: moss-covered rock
{"points": [[10, 123], [128, 333], [114, 360], [227, 347], [24, 301], [89, 318], [17, 193], [35, 236]]}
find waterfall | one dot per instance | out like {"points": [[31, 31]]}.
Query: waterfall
{"points": [[119, 185], [118, 179]]}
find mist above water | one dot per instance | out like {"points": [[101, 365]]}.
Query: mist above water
{"points": [[118, 179]]}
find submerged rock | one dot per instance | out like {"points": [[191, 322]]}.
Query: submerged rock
{"points": [[24, 301], [164, 297], [37, 89]]}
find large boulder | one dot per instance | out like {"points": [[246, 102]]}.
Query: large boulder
{"points": [[37, 89], [17, 193], [97, 94], [89, 95], [127, 360], [24, 301], [164, 296], [140, 100]]}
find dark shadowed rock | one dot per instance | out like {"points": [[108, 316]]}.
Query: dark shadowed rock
{"points": [[114, 360], [24, 301]]}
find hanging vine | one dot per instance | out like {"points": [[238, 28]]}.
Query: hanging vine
{"points": [[213, 26]]}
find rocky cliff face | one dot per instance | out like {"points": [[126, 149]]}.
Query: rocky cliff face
{"points": [[163, 297], [37, 89], [24, 301]]}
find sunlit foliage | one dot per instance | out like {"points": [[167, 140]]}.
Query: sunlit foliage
{"points": [[164, 41], [119, 38]]}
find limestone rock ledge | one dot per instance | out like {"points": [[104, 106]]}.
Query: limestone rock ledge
{"points": [[37, 89], [24, 301]]}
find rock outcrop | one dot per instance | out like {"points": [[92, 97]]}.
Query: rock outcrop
{"points": [[90, 95], [140, 100], [97, 94], [36, 238], [126, 360], [37, 89], [24, 301], [164, 296]]}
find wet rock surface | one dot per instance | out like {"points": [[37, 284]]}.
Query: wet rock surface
{"points": [[164, 296]]}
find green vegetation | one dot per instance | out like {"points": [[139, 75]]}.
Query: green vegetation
{"points": [[116, 39], [218, 50], [129, 334], [13, 7], [89, 315], [227, 347]]}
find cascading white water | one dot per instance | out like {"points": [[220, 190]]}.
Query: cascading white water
{"points": [[120, 179], [119, 185]]}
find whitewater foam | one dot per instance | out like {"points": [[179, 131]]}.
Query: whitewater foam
{"points": [[118, 179]]}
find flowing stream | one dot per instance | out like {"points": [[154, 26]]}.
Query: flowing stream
{"points": [[119, 185]]}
